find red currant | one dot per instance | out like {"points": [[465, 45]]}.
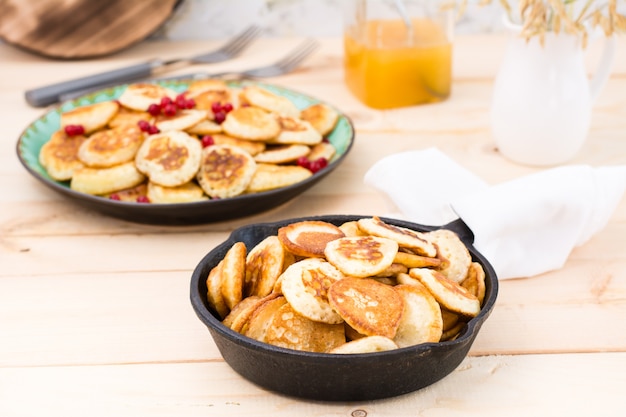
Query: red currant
{"points": [[180, 101], [165, 101], [227, 107], [219, 117], [154, 109], [115, 197], [74, 130], [189, 103], [143, 199], [170, 109], [216, 107], [304, 162], [153, 130], [207, 140], [144, 125]]}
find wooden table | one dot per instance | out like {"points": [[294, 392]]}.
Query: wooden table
{"points": [[95, 318]]}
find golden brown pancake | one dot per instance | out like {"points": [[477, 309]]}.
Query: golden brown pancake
{"points": [[308, 238], [186, 193], [406, 238], [91, 117], [264, 264], [421, 320], [170, 158], [101, 181], [251, 123], [110, 147], [225, 171], [361, 256], [59, 156], [448, 293], [141, 95], [321, 116], [270, 176], [371, 308], [366, 344], [265, 99]]}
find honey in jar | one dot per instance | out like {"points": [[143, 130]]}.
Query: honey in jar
{"points": [[389, 63]]}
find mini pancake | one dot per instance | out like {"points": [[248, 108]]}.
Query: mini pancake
{"points": [[170, 158], [250, 146], [59, 156], [265, 262], [207, 98], [411, 260], [269, 177], [186, 193], [282, 154], [265, 99], [454, 251], [183, 119], [126, 116], [290, 330], [91, 117], [141, 95], [110, 147], [351, 228], [308, 238], [321, 116], [131, 195], [198, 86], [99, 181], [366, 344], [240, 315], [214, 291], [233, 273], [475, 281], [406, 238], [453, 332], [262, 317], [225, 171], [393, 270], [421, 320], [371, 308], [251, 123], [361, 256], [296, 131], [305, 285], [447, 292], [322, 150], [204, 127]]}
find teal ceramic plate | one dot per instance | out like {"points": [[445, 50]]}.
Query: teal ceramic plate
{"points": [[39, 132]]}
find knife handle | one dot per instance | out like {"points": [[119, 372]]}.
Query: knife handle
{"points": [[50, 94]]}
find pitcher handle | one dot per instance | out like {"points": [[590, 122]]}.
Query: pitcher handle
{"points": [[603, 70]]}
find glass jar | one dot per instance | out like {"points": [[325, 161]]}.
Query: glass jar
{"points": [[398, 53]]}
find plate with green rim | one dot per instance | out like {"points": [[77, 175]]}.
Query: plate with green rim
{"points": [[39, 131]]}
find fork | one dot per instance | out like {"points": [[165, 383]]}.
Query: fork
{"points": [[50, 94], [283, 66]]}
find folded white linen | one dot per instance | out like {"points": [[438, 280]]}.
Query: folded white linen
{"points": [[524, 227]]}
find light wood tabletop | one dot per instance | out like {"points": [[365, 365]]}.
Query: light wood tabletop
{"points": [[95, 318]]}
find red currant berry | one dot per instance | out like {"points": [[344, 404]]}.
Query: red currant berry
{"points": [[154, 109], [216, 107], [170, 109], [143, 199], [153, 130], [165, 101], [227, 107], [144, 125], [219, 117], [325, 140], [180, 100], [115, 197], [189, 103], [207, 140], [304, 162], [74, 130]]}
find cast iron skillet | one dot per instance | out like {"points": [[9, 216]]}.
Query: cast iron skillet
{"points": [[334, 377]]}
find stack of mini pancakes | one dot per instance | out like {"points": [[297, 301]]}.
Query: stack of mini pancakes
{"points": [[360, 287], [253, 147]]}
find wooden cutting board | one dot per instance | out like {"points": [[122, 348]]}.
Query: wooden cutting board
{"points": [[74, 29]]}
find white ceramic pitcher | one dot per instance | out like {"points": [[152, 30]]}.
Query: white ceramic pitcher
{"points": [[542, 101]]}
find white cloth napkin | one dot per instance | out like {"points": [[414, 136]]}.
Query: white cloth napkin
{"points": [[524, 227]]}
